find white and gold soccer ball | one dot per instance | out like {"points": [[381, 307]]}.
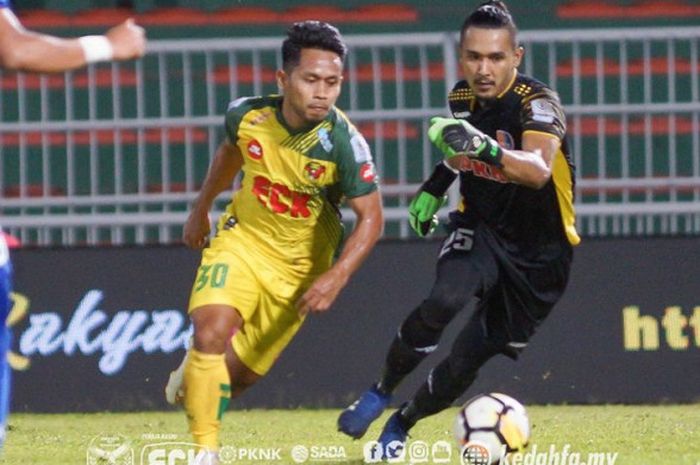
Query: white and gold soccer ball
{"points": [[490, 426]]}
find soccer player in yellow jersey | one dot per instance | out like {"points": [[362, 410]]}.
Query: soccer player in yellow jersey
{"points": [[271, 261]]}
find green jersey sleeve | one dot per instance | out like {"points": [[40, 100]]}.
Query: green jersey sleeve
{"points": [[234, 115], [356, 171]]}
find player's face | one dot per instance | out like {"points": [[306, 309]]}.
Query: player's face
{"points": [[311, 88], [488, 60]]}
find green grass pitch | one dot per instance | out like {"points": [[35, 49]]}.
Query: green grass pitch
{"points": [[639, 435]]}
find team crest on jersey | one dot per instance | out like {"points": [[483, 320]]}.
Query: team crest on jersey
{"points": [[314, 170], [324, 138], [367, 172], [505, 139], [255, 150]]}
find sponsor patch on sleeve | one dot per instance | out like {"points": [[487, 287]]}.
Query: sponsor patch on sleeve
{"points": [[360, 149], [543, 110], [367, 172]]}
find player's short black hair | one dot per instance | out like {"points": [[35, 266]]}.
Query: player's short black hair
{"points": [[311, 34], [493, 14]]}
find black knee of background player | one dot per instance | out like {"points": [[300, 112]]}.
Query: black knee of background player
{"points": [[436, 394], [442, 305], [415, 341], [420, 330], [453, 376]]}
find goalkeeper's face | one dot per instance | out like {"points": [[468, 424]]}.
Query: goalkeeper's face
{"points": [[489, 60], [311, 88]]}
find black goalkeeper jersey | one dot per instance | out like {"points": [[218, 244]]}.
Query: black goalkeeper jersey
{"points": [[530, 224]]}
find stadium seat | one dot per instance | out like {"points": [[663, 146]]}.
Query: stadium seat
{"points": [[178, 16], [38, 19], [101, 17], [384, 13], [244, 75], [32, 190], [103, 78], [613, 126], [244, 15], [107, 137], [328, 13], [389, 130], [589, 67], [173, 187], [583, 9], [387, 72]]}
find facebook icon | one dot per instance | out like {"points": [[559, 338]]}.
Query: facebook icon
{"points": [[372, 452]]}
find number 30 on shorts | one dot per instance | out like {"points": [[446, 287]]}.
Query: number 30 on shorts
{"points": [[211, 275], [461, 239]]}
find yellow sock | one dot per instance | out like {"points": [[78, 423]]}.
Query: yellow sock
{"points": [[207, 393]]}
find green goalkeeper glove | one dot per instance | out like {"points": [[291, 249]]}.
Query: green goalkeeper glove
{"points": [[422, 212], [455, 137]]}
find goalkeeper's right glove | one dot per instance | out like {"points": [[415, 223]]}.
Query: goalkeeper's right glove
{"points": [[422, 212]]}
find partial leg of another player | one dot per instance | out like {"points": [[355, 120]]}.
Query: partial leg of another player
{"points": [[445, 383], [458, 279]]}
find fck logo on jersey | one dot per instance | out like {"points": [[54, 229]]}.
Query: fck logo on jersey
{"points": [[280, 198]]}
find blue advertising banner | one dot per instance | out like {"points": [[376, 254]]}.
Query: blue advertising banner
{"points": [[100, 329]]}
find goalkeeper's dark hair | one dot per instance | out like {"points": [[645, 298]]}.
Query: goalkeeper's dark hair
{"points": [[493, 14], [310, 34]]}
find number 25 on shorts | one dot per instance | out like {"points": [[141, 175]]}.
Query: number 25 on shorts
{"points": [[211, 275], [461, 239]]}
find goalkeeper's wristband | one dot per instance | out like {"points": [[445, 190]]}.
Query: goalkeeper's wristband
{"points": [[441, 179], [490, 152]]}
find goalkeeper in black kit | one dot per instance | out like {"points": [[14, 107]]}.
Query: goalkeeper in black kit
{"points": [[510, 239]]}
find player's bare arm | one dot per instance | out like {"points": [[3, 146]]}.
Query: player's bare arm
{"points": [[26, 50], [368, 228], [226, 164], [531, 166]]}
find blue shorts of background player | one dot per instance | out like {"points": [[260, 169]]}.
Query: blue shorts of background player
{"points": [[5, 335]]}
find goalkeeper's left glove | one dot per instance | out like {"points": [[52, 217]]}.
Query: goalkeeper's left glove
{"points": [[457, 137], [422, 212]]}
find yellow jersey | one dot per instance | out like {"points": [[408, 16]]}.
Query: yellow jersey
{"points": [[294, 181]]}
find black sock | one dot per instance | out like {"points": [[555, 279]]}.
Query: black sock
{"points": [[400, 361], [436, 395]]}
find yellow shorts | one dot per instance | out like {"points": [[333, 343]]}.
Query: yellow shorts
{"points": [[232, 274]]}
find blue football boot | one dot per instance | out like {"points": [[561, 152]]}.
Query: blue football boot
{"points": [[355, 419], [393, 438]]}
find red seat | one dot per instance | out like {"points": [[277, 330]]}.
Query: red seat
{"points": [[101, 17], [384, 13], [178, 16], [387, 72], [37, 19], [326, 13], [584, 9], [244, 15], [108, 137], [389, 130], [32, 190], [658, 65], [636, 127], [244, 74]]}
